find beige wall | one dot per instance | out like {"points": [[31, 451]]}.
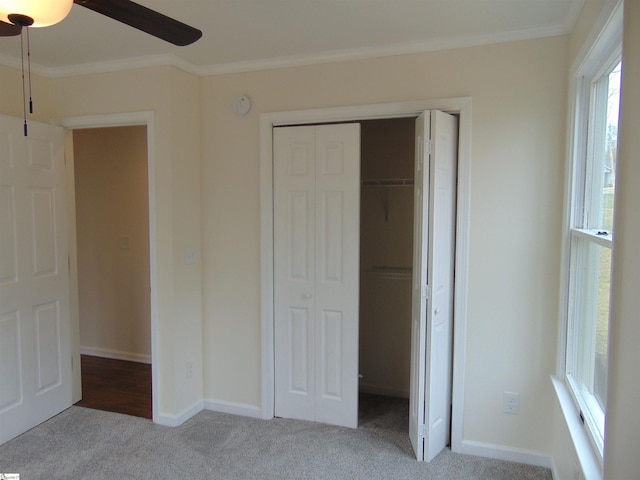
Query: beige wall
{"points": [[205, 172], [11, 101], [206, 176], [519, 111], [112, 203], [588, 16], [386, 239], [173, 97]]}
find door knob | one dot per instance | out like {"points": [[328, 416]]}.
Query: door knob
{"points": [[307, 296]]}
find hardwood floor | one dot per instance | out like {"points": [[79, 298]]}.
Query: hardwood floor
{"points": [[116, 386]]}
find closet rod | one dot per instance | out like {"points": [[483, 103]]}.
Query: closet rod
{"points": [[390, 273], [400, 182]]}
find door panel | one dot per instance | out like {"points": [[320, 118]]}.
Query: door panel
{"points": [[331, 355], [442, 209], [433, 277], [332, 207], [322, 165], [299, 227], [419, 289], [294, 271], [338, 265], [35, 350], [298, 362]]}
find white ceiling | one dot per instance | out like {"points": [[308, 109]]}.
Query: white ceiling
{"points": [[250, 34]]}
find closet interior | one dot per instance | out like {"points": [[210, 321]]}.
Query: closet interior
{"points": [[386, 255]]}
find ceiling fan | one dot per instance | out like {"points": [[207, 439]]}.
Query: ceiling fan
{"points": [[41, 13], [18, 14]]}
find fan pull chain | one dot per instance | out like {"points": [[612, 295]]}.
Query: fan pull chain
{"points": [[29, 65], [24, 94]]}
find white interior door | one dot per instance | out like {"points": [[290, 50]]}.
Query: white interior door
{"points": [[316, 257], [294, 271], [35, 350], [419, 286], [433, 277]]}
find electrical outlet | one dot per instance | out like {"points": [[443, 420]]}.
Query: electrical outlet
{"points": [[511, 403], [190, 368]]}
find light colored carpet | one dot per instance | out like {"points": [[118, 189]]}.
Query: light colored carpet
{"points": [[89, 444]]}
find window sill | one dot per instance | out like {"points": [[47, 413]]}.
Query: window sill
{"points": [[589, 460], [604, 239]]}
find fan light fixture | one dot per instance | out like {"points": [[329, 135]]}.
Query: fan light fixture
{"points": [[34, 13]]}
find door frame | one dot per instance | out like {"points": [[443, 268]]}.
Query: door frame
{"points": [[455, 105], [105, 121]]}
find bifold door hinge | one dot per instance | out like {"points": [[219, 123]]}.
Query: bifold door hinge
{"points": [[425, 291], [422, 431]]}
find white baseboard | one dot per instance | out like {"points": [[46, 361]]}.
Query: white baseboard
{"points": [[115, 354], [233, 408], [386, 391], [503, 452], [554, 470], [171, 420]]}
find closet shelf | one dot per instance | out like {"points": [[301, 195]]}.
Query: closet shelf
{"points": [[390, 273], [394, 182]]}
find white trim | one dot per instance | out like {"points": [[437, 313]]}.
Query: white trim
{"points": [[603, 42], [115, 354], [555, 474], [605, 241], [602, 39], [460, 105], [364, 53], [107, 120], [233, 408], [589, 461], [461, 281], [348, 54], [169, 60], [503, 452], [171, 420], [74, 306], [137, 118]]}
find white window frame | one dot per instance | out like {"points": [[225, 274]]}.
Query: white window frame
{"points": [[601, 52]]}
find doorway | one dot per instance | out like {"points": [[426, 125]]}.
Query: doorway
{"points": [[386, 260], [386, 255], [460, 106], [112, 225], [443, 136]]}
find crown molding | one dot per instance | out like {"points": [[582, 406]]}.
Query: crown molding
{"points": [[296, 60], [384, 51], [168, 60]]}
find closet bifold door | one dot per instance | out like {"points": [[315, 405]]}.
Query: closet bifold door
{"points": [[432, 297], [316, 264]]}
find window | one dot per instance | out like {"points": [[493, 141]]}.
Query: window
{"points": [[591, 238]]}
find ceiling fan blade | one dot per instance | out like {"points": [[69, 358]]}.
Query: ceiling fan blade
{"points": [[145, 19], [9, 29]]}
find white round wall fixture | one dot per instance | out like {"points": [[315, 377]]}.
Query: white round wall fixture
{"points": [[242, 104]]}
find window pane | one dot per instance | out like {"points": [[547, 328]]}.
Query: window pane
{"points": [[590, 318], [610, 149], [602, 326]]}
